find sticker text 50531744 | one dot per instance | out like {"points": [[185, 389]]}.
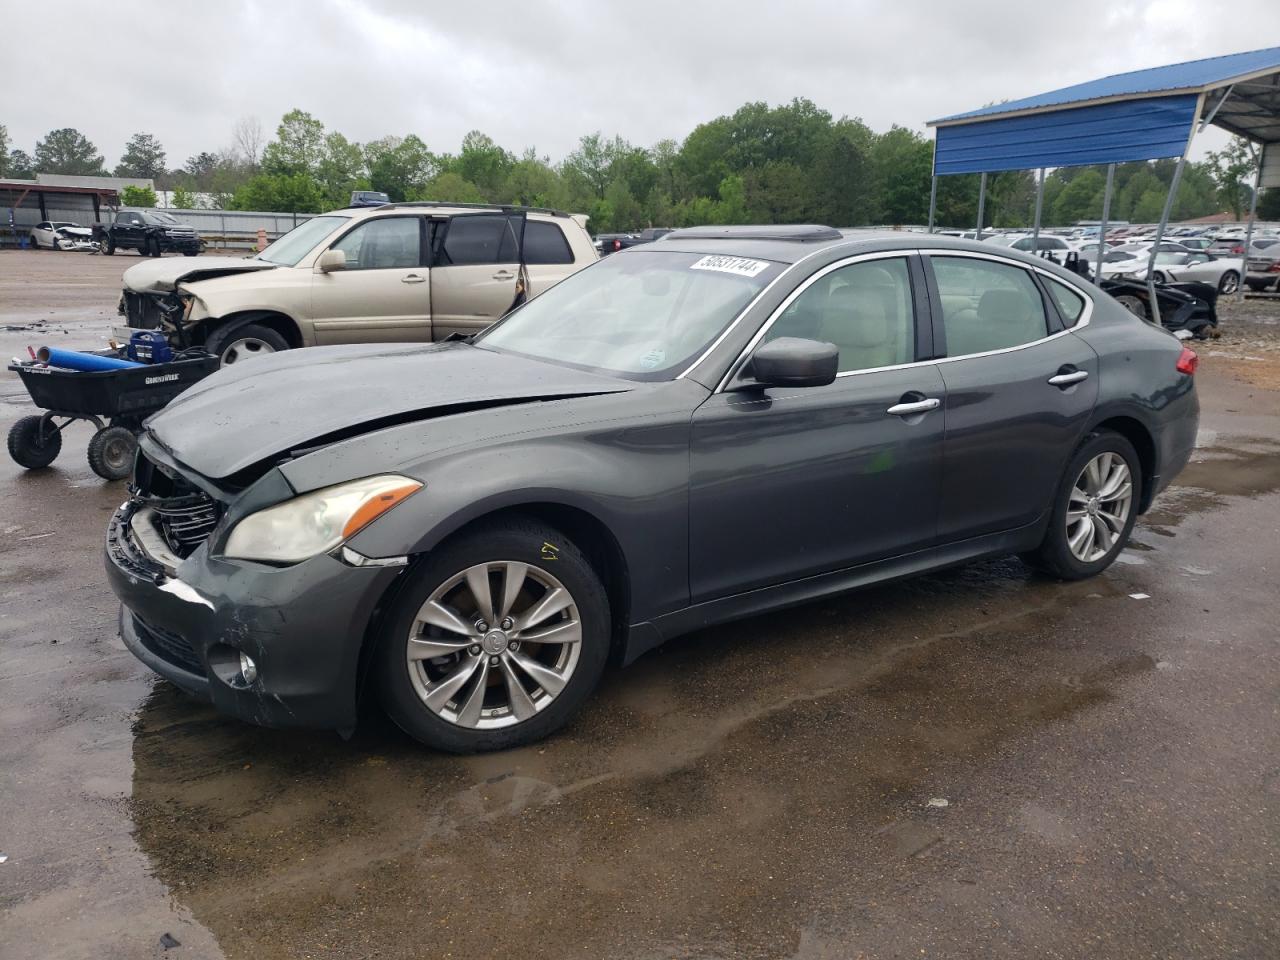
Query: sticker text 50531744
{"points": [[742, 266]]}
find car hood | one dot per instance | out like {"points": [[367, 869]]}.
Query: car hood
{"points": [[302, 399], [164, 274]]}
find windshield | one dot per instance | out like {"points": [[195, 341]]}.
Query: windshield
{"points": [[643, 315], [159, 218], [301, 240]]}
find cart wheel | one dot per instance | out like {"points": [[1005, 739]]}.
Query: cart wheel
{"points": [[28, 448], [111, 452]]}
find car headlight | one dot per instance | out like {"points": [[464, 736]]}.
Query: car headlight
{"points": [[318, 521]]}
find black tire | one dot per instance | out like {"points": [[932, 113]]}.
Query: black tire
{"points": [[111, 452], [514, 540], [25, 444], [1161, 277], [221, 340], [1054, 556], [1229, 282], [189, 253], [1134, 305], [153, 247], [107, 247]]}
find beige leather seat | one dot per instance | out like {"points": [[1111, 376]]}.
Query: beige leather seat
{"points": [[857, 320]]}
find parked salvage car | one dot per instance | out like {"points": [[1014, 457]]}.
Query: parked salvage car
{"points": [[150, 232], [61, 235], [400, 272], [1264, 264], [1222, 272], [731, 421]]}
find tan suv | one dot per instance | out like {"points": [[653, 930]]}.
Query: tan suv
{"points": [[398, 272]]}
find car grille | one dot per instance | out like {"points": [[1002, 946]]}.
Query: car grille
{"points": [[142, 312], [168, 646], [184, 514]]}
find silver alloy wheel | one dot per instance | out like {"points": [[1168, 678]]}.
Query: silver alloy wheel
{"points": [[1230, 282], [1098, 508], [494, 644], [245, 348]]}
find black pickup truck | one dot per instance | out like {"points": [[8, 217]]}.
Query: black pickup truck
{"points": [[608, 243], [149, 232]]}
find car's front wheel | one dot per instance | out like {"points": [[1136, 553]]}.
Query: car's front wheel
{"points": [[1229, 283], [236, 344], [1095, 508], [496, 642]]}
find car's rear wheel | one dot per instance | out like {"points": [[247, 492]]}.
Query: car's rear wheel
{"points": [[1229, 283], [498, 639], [238, 344], [107, 247], [1095, 508]]}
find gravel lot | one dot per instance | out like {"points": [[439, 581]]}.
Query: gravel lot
{"points": [[980, 763]]}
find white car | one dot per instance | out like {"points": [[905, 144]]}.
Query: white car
{"points": [[61, 235], [1223, 273]]}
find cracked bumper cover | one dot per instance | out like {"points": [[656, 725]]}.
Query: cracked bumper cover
{"points": [[303, 625]]}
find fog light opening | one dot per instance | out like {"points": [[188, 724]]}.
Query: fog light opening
{"points": [[248, 669]]}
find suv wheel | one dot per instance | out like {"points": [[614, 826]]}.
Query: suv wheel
{"points": [[1095, 508], [497, 640], [238, 344]]}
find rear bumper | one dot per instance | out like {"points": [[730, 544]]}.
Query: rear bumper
{"points": [[303, 625], [1176, 442]]}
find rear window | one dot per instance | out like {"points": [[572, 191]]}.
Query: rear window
{"points": [[477, 239], [545, 243]]}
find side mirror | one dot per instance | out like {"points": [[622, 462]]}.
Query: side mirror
{"points": [[791, 362], [331, 260]]}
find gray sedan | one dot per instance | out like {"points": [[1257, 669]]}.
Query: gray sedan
{"points": [[731, 421]]}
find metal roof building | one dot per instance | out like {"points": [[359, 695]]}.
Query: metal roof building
{"points": [[1142, 115], [24, 203]]}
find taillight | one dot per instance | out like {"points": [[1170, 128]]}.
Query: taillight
{"points": [[1239, 249], [1275, 267], [617, 245], [1187, 361]]}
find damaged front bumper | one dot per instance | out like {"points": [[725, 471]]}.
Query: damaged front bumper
{"points": [[303, 625]]}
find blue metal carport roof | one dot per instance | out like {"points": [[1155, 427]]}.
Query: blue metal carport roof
{"points": [[1141, 115]]}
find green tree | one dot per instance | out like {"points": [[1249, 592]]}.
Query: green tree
{"points": [[1233, 170], [132, 196], [183, 199], [298, 147], [1269, 204], [4, 150], [278, 193], [143, 157], [484, 163], [902, 165], [68, 151], [449, 186], [20, 165], [400, 166], [1081, 199], [341, 170]]}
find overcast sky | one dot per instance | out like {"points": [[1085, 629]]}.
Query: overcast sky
{"points": [[542, 75]]}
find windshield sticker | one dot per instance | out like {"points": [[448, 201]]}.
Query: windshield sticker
{"points": [[736, 265], [654, 358]]}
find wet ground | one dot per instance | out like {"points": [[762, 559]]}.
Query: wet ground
{"points": [[976, 763]]}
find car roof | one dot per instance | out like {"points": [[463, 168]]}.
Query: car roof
{"points": [[438, 208], [790, 244]]}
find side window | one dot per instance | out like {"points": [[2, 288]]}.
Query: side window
{"points": [[987, 305], [865, 309], [545, 243], [477, 239], [385, 243], [1070, 304], [43, 225]]}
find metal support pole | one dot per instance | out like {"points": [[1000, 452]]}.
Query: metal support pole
{"points": [[1164, 216], [1035, 230], [933, 201], [982, 202], [1102, 228], [1248, 232]]}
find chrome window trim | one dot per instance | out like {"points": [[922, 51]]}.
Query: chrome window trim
{"points": [[1085, 315], [745, 310]]}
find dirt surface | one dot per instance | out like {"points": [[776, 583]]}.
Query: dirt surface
{"points": [[981, 763]]}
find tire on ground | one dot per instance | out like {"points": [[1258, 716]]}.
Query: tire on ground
{"points": [[1054, 554], [26, 448], [111, 452], [223, 337], [516, 539]]}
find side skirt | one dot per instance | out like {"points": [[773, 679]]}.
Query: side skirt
{"points": [[643, 637]]}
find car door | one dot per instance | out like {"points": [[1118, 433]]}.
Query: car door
{"points": [[474, 268], [128, 229], [790, 482], [41, 235], [1020, 388], [1201, 267], [384, 293], [548, 258]]}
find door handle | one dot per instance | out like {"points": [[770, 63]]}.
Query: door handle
{"points": [[918, 406], [413, 278], [1068, 378], [504, 275]]}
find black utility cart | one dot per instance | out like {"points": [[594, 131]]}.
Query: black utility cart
{"points": [[115, 401]]}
